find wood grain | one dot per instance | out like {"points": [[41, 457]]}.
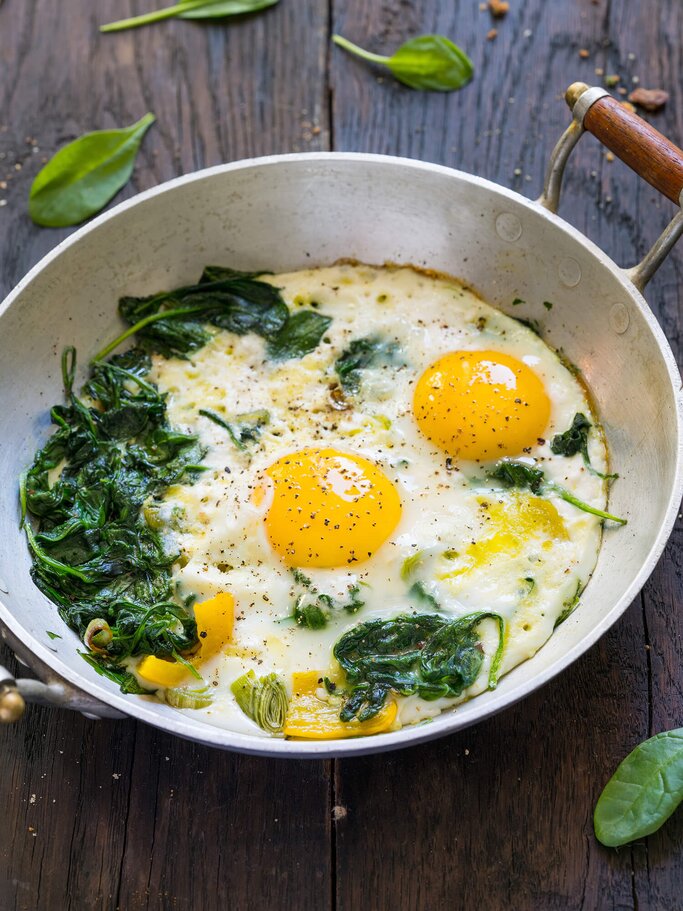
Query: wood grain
{"points": [[638, 145], [119, 816]]}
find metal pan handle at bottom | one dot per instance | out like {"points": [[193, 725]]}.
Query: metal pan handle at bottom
{"points": [[51, 689], [14, 694]]}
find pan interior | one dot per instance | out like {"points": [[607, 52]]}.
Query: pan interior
{"points": [[290, 213]]}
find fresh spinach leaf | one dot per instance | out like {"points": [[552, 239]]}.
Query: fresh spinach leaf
{"points": [[643, 792], [526, 477], [575, 440], [192, 9], [219, 9], [428, 63], [300, 334], [83, 176], [362, 354], [424, 654]]}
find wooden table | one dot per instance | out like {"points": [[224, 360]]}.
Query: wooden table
{"points": [[118, 816]]}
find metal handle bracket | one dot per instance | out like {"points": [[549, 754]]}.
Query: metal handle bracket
{"points": [[51, 690], [581, 98]]}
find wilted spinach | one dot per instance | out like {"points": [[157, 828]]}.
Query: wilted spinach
{"points": [[313, 609], [413, 654], [94, 555], [576, 440], [363, 353], [518, 474], [174, 323], [430, 62], [127, 682], [300, 334], [243, 428], [570, 605]]}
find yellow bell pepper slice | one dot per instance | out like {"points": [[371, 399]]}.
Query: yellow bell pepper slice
{"points": [[311, 718], [163, 673], [215, 619]]}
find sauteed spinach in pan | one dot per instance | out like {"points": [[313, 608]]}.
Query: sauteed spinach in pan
{"points": [[94, 553], [322, 504]]}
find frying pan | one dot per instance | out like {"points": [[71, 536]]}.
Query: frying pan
{"points": [[292, 211]]}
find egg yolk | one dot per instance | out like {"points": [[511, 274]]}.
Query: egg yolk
{"points": [[481, 404], [329, 508], [511, 524]]}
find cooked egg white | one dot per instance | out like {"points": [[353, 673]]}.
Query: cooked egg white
{"points": [[405, 505]]}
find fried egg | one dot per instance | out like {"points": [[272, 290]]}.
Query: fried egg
{"points": [[377, 491]]}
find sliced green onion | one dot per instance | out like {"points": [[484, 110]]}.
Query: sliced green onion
{"points": [[262, 699], [182, 697]]}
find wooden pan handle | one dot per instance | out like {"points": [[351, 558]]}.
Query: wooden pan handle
{"points": [[634, 141]]}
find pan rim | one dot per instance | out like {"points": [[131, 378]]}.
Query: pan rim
{"points": [[449, 722]]}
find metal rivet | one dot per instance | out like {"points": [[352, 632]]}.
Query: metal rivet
{"points": [[619, 318], [508, 227], [569, 271]]}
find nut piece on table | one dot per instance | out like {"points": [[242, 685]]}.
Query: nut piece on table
{"points": [[499, 8], [650, 99]]}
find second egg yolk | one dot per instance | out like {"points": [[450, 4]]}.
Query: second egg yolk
{"points": [[329, 508], [481, 405]]}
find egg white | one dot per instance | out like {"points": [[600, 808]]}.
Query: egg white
{"points": [[220, 530]]}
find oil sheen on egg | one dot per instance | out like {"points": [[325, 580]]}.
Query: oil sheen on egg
{"points": [[383, 492]]}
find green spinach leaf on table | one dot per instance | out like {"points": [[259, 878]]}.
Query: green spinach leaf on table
{"points": [[428, 63], [192, 9], [643, 792], [83, 176]]}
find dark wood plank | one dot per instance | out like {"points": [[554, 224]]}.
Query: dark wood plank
{"points": [[658, 48], [215, 830], [500, 816], [116, 815]]}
